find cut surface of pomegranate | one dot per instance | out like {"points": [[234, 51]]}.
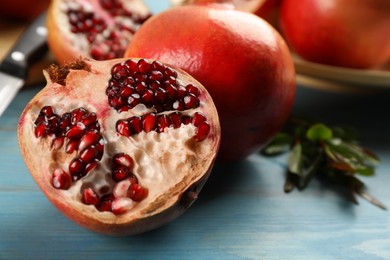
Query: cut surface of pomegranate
{"points": [[99, 29], [112, 165]]}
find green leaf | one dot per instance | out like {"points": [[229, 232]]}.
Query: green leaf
{"points": [[295, 159], [319, 132], [281, 143]]}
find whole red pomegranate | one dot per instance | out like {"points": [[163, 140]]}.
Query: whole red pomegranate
{"points": [[98, 29], [266, 9], [22, 9], [120, 146], [348, 33], [241, 60]]}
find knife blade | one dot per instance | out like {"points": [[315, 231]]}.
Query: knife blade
{"points": [[30, 46]]}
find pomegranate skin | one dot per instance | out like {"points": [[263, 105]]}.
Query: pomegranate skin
{"points": [[23, 10], [241, 60], [348, 33]]}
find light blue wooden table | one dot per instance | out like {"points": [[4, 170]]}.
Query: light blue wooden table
{"points": [[242, 212]]}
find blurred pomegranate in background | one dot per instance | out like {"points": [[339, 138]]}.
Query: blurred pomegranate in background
{"points": [[241, 60], [347, 33], [22, 9]]}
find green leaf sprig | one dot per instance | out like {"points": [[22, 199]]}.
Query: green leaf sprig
{"points": [[327, 153]]}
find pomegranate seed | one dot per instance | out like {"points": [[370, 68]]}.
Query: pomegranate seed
{"points": [[154, 85], [132, 65], [137, 192], [134, 100], [175, 119], [171, 91], [144, 66], [156, 75], [89, 167], [40, 130], [89, 154], [192, 89], [169, 72], [170, 80], [89, 119], [120, 173], [116, 102], [122, 159], [186, 120], [133, 179], [76, 131], [47, 111], [162, 123], [198, 119], [122, 127], [89, 197], [160, 95], [61, 179], [71, 146], [190, 101], [156, 65], [202, 131], [178, 105], [90, 138], [140, 87], [181, 92], [105, 203], [135, 124], [140, 77], [149, 122], [77, 114], [147, 96], [77, 169]]}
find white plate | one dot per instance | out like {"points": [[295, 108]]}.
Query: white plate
{"points": [[314, 73]]}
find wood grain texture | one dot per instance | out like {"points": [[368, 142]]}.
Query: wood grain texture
{"points": [[241, 214]]}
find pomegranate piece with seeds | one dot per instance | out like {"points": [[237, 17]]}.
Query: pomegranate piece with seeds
{"points": [[119, 169], [99, 29]]}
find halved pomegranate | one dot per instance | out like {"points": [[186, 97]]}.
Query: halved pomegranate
{"points": [[98, 29], [120, 146]]}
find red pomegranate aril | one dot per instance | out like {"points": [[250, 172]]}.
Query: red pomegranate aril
{"points": [[160, 95], [144, 66], [198, 119], [202, 131], [89, 119], [155, 85], [170, 81], [140, 87], [122, 159], [193, 90], [61, 179], [89, 197], [105, 203], [175, 119], [90, 138], [126, 91], [190, 101], [162, 123], [147, 97], [71, 146], [122, 127], [178, 105], [40, 130], [171, 91], [156, 75], [169, 72], [135, 124], [58, 143], [186, 120], [90, 166], [77, 169], [137, 192], [132, 65], [149, 122], [47, 111], [89, 154], [181, 92], [120, 173], [76, 131], [77, 114], [134, 100]]}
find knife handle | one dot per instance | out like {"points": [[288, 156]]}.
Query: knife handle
{"points": [[30, 46]]}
